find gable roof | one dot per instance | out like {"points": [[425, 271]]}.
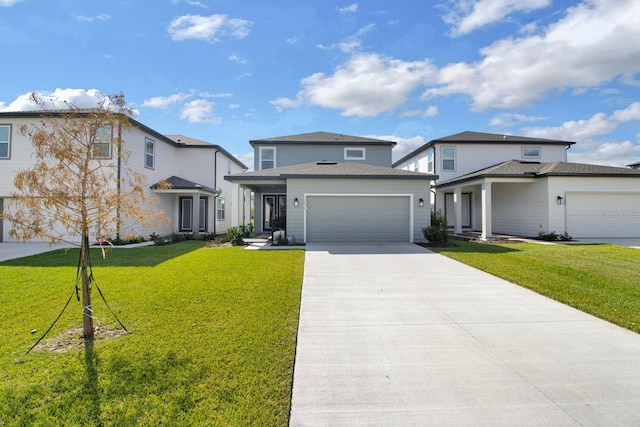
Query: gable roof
{"points": [[468, 137], [188, 142], [522, 169], [321, 138], [329, 170]]}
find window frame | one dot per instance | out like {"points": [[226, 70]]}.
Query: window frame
{"points": [[525, 156], [430, 161], [261, 161], [99, 142], [149, 156], [220, 209], [362, 150], [7, 142], [444, 158]]}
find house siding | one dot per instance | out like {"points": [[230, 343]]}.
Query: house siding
{"points": [[520, 208], [293, 154], [474, 157]]}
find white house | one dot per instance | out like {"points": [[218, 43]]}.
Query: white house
{"points": [[195, 168], [508, 184]]}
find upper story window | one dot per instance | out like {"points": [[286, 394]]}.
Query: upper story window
{"points": [[351, 153], [531, 152], [267, 157], [102, 143], [149, 153], [448, 158], [5, 141], [416, 165], [430, 161], [228, 167]]}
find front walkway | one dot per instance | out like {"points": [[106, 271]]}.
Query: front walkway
{"points": [[393, 334]]}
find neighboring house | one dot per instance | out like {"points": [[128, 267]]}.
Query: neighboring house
{"points": [[324, 186], [635, 165], [194, 168], [523, 186]]}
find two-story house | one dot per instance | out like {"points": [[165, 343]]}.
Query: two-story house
{"points": [[324, 186], [194, 168], [508, 184]]}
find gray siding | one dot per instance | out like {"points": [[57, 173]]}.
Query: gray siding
{"points": [[293, 154]]}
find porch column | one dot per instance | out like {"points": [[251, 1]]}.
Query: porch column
{"points": [[196, 216], [486, 211], [457, 208]]}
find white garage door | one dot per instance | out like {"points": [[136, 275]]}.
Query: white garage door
{"points": [[357, 218], [603, 214]]}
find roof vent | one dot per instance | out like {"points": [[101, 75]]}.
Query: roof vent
{"points": [[325, 162]]}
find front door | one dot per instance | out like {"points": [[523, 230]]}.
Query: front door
{"points": [[274, 211]]}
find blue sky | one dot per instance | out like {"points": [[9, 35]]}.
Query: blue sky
{"points": [[227, 71]]}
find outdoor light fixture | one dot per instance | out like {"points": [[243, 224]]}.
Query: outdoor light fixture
{"points": [[421, 202], [295, 202], [560, 200]]}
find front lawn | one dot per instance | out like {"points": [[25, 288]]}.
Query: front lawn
{"points": [[603, 280], [212, 340]]}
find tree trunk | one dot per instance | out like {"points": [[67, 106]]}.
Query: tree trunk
{"points": [[87, 312]]}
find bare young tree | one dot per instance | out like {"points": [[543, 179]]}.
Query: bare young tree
{"points": [[79, 185]]}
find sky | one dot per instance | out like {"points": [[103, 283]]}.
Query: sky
{"points": [[230, 71]]}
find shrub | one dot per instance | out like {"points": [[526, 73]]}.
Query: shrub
{"points": [[234, 235], [565, 236], [438, 232], [549, 237]]}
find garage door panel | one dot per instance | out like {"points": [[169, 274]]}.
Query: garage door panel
{"points": [[603, 214], [357, 218]]}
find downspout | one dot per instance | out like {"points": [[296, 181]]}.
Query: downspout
{"points": [[118, 176], [215, 187]]}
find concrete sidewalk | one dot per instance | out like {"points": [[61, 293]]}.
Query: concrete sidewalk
{"points": [[21, 249], [393, 334]]}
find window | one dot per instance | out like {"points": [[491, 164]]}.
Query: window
{"points": [[186, 214], [228, 167], [5, 141], [430, 161], [416, 165], [530, 152], [267, 157], [149, 153], [354, 153], [102, 143], [448, 158], [204, 210], [220, 209]]}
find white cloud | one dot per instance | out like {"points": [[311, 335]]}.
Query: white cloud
{"points": [[165, 101], [367, 85], [403, 145], [199, 111], [513, 119], [208, 28], [352, 8], [591, 150], [351, 43], [587, 47], [598, 124], [60, 99], [468, 16], [100, 17], [431, 111], [237, 58], [8, 3]]}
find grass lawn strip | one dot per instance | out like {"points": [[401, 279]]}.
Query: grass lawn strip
{"points": [[212, 343], [602, 280]]}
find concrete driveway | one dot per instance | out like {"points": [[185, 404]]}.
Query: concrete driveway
{"points": [[22, 249], [393, 334]]}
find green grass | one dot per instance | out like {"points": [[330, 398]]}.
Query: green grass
{"points": [[603, 280], [212, 339]]}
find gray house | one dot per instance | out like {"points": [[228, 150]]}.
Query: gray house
{"points": [[324, 186]]}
